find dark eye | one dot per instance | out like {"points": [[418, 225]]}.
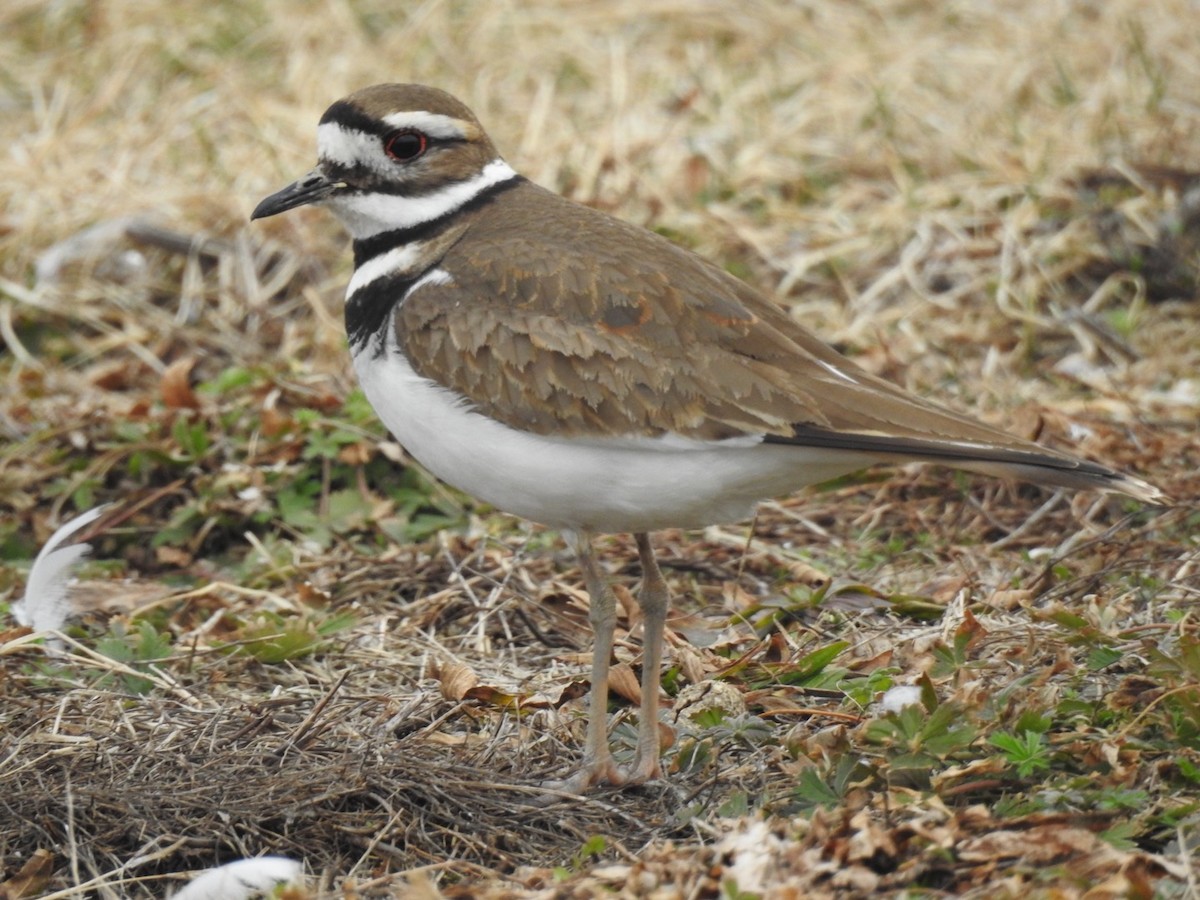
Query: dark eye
{"points": [[405, 145]]}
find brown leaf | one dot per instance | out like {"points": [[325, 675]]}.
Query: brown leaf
{"points": [[358, 454], [11, 634], [630, 611], [736, 597], [622, 682], [694, 665], [176, 385], [312, 596], [172, 556], [971, 630], [977, 768], [867, 840], [807, 575], [110, 375], [1134, 691], [275, 423], [878, 661], [1040, 845], [1010, 599], [944, 588], [696, 174], [455, 680], [31, 880]]}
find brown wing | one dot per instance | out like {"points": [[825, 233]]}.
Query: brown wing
{"points": [[561, 319]]}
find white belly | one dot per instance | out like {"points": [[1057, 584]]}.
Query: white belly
{"points": [[618, 485]]}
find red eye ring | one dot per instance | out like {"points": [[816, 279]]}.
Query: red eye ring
{"points": [[405, 145]]}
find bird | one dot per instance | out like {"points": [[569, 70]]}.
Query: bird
{"points": [[582, 372]]}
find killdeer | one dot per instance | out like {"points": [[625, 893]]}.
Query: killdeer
{"points": [[584, 373]]}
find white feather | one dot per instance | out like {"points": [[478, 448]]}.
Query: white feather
{"points": [[433, 124], [900, 696], [242, 879], [44, 606]]}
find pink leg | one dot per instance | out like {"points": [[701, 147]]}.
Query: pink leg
{"points": [[655, 601], [598, 765]]}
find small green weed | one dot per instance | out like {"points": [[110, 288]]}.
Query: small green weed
{"points": [[1029, 752], [589, 851], [138, 651], [272, 638], [920, 740]]}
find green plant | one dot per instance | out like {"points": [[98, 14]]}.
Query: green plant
{"points": [[137, 651], [919, 739], [591, 849], [817, 788], [273, 638], [1029, 752]]}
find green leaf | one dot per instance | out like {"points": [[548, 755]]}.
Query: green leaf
{"points": [[813, 664], [923, 735], [1102, 657], [359, 411], [736, 806], [228, 380], [1033, 720], [1122, 835], [731, 891], [812, 791], [348, 510], [591, 848], [1029, 752], [861, 691], [272, 638], [135, 651], [192, 437], [152, 645], [1188, 769]]}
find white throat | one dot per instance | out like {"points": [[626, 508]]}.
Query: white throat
{"points": [[366, 215]]}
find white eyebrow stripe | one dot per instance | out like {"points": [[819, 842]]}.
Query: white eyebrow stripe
{"points": [[349, 147], [433, 124]]}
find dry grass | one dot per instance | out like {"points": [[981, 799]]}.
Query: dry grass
{"points": [[997, 204]]}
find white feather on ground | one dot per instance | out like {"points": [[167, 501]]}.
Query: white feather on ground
{"points": [[242, 879], [900, 696], [44, 606]]}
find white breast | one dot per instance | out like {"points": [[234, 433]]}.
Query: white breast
{"points": [[603, 485]]}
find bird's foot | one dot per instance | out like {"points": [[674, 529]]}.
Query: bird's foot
{"points": [[645, 768], [598, 773], [591, 774]]}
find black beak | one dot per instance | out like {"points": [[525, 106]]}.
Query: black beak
{"points": [[312, 188]]}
